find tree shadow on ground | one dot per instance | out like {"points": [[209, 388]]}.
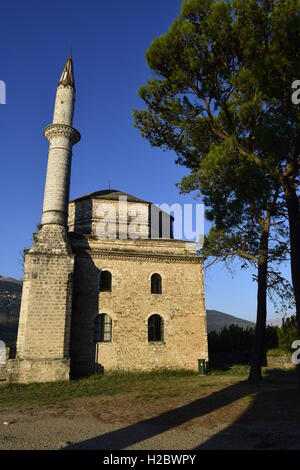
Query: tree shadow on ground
{"points": [[271, 421], [271, 404]]}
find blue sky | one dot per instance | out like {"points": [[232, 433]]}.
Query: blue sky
{"points": [[108, 41]]}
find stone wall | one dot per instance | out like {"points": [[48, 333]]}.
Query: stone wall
{"points": [[131, 303], [45, 316], [280, 362], [113, 218], [35, 370]]}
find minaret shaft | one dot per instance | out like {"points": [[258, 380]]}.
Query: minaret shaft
{"points": [[61, 136], [64, 105]]}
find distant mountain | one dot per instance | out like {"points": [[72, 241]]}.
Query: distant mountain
{"points": [[218, 320], [10, 300], [275, 321], [9, 279]]}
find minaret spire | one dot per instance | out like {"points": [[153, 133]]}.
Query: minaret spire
{"points": [[67, 76], [61, 136]]}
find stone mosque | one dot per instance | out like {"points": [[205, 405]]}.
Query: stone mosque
{"points": [[94, 303]]}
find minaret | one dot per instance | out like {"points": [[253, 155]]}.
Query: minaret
{"points": [[61, 136], [43, 344]]}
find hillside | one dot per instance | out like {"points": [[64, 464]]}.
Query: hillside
{"points": [[10, 300], [217, 320]]}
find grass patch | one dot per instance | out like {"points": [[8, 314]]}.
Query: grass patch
{"points": [[107, 384], [277, 353], [235, 370], [145, 386]]}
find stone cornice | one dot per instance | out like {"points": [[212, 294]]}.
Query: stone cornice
{"points": [[62, 130], [143, 242], [87, 245], [125, 255]]}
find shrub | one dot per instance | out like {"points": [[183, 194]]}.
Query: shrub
{"points": [[234, 339], [288, 333]]}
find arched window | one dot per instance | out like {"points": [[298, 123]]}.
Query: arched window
{"points": [[102, 328], [155, 328], [105, 281], [156, 284]]}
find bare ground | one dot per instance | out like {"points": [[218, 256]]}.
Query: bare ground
{"points": [[196, 412]]}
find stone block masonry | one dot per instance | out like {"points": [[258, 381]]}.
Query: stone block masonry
{"points": [[130, 304], [43, 344], [35, 370]]}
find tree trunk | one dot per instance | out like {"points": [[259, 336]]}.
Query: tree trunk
{"points": [[293, 207], [294, 225], [259, 348]]}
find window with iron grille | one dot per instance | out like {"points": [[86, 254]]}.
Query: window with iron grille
{"points": [[155, 328], [105, 281], [156, 285], [102, 328]]}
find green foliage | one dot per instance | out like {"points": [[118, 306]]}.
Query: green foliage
{"points": [[271, 337], [223, 75], [10, 307], [10, 300], [235, 339], [230, 339], [288, 333], [221, 99], [276, 352]]}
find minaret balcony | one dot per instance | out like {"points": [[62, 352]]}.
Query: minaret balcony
{"points": [[62, 130]]}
